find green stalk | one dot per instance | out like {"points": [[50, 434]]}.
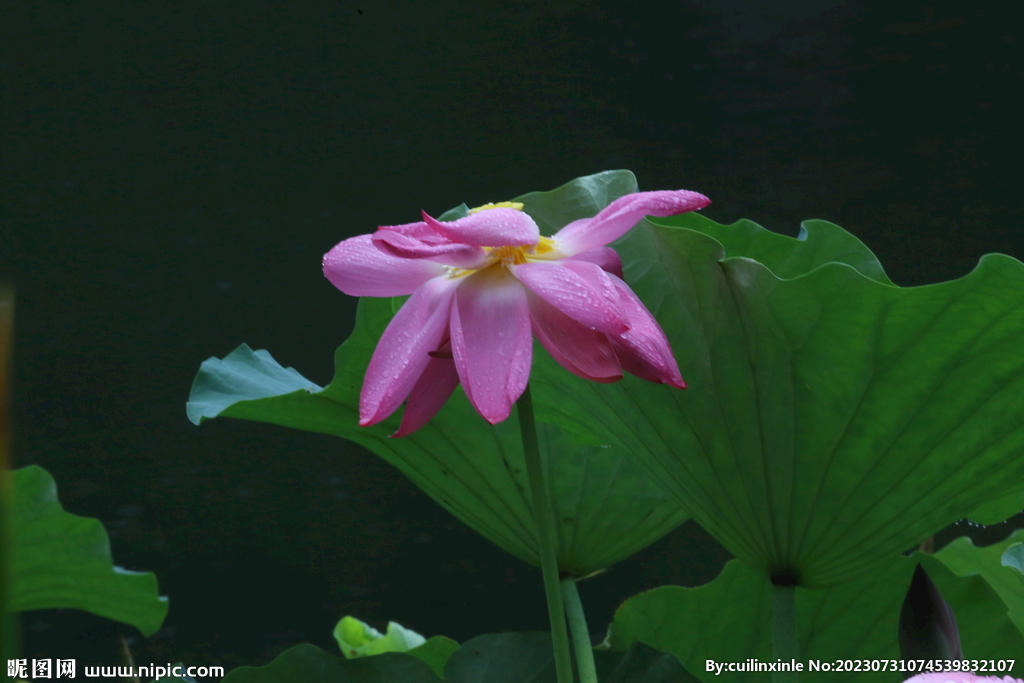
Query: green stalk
{"points": [[785, 646], [545, 536], [580, 632]]}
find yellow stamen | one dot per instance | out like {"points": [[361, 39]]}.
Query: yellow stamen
{"points": [[511, 255], [518, 206], [519, 255], [546, 245]]}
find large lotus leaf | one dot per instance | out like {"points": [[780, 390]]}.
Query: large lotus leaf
{"points": [[999, 509], [608, 509], [729, 619], [63, 560], [497, 658], [832, 420]]}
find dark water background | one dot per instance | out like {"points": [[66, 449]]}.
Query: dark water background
{"points": [[173, 172]]}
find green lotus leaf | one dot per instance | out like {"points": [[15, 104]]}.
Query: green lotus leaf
{"points": [[62, 560], [998, 510], [819, 242], [832, 420], [608, 509], [729, 619], [990, 562]]}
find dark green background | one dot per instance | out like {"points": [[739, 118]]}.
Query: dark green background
{"points": [[174, 171]]}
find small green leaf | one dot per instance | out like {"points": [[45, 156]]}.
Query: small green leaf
{"points": [[1013, 557], [63, 560], [358, 639]]}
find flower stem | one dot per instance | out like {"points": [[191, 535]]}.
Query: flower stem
{"points": [[545, 521], [580, 632], [784, 637]]}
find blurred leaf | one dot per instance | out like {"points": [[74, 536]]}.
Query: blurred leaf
{"points": [[63, 560], [608, 508], [832, 420], [729, 620]]}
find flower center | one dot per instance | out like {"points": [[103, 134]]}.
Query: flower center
{"points": [[511, 255], [519, 255]]}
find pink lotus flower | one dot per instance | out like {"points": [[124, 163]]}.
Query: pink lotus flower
{"points": [[959, 677], [481, 284]]}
